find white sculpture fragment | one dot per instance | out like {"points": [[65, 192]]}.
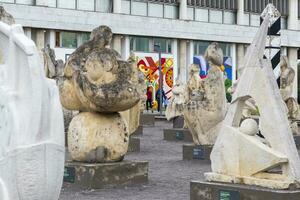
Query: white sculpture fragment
{"points": [[31, 127], [238, 156], [175, 106]]}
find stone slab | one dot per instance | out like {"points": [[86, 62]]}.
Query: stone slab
{"points": [[160, 118], [134, 144], [105, 175], [200, 190], [178, 122], [147, 120], [138, 132], [196, 152], [297, 141], [178, 134]]}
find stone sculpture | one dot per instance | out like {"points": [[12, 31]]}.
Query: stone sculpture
{"points": [[6, 17], [240, 157], [176, 104], [287, 76], [99, 84], [31, 127], [205, 103], [53, 68]]}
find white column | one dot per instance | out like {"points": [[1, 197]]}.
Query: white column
{"points": [[182, 60], [42, 3], [240, 53], [27, 32], [40, 39], [240, 15], [189, 57], [125, 50], [234, 61], [293, 15], [293, 56], [52, 39], [117, 43], [117, 6], [183, 9], [175, 60]]}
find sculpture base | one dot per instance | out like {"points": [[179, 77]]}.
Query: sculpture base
{"points": [[147, 120], [103, 175], [178, 122], [138, 132], [196, 152], [134, 144], [220, 191], [178, 134], [297, 141]]}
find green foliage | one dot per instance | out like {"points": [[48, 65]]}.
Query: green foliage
{"points": [[228, 84]]}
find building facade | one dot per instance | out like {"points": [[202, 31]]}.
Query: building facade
{"points": [[182, 28]]}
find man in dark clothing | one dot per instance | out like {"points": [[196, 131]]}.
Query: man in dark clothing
{"points": [[157, 97]]}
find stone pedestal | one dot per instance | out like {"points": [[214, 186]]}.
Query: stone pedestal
{"points": [[219, 191], [103, 175], [134, 144], [178, 134], [178, 122], [147, 120], [138, 132], [297, 141], [196, 152]]}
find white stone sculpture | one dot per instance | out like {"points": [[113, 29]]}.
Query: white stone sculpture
{"points": [[205, 103], [240, 157], [31, 126], [175, 106]]}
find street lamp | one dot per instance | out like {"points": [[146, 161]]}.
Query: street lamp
{"points": [[157, 48]]}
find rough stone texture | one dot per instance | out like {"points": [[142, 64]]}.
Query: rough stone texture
{"points": [[108, 91], [196, 152], [176, 104], [103, 175], [95, 137], [96, 79], [242, 158], [6, 17], [178, 134], [287, 75], [53, 68], [205, 99], [219, 191], [32, 133], [169, 175]]}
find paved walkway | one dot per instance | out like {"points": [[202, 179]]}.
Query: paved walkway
{"points": [[169, 175]]}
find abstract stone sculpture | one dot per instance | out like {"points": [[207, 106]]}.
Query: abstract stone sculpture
{"points": [[175, 106], [53, 68], [205, 103], [100, 85], [240, 157], [31, 127]]}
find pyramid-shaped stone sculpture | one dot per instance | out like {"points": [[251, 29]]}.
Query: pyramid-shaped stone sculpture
{"points": [[238, 155]]}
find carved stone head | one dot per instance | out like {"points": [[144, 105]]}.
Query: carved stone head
{"points": [[103, 35], [214, 54]]}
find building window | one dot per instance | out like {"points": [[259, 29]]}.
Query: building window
{"points": [[215, 4], [71, 40], [27, 2], [146, 44], [165, 44], [257, 6], [139, 44], [201, 46]]}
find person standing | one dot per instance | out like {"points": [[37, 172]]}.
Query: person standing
{"points": [[149, 98], [157, 97]]}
